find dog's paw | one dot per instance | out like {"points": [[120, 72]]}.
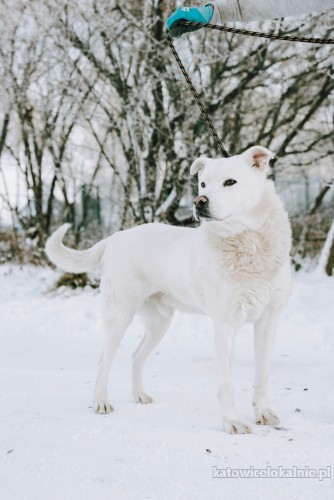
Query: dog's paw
{"points": [[103, 407], [266, 417], [143, 398], [236, 427]]}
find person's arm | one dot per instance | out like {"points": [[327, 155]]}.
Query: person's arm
{"points": [[251, 10], [222, 11]]}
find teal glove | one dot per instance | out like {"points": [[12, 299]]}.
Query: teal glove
{"points": [[196, 14]]}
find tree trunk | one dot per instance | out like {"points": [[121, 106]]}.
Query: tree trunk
{"points": [[326, 261]]}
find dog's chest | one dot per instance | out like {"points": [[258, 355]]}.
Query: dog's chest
{"points": [[249, 256], [249, 263]]}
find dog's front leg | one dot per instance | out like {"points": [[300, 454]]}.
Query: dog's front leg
{"points": [[264, 336], [224, 349]]}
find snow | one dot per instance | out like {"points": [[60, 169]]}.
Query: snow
{"points": [[53, 446]]}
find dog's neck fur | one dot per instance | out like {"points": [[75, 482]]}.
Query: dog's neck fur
{"points": [[257, 242]]}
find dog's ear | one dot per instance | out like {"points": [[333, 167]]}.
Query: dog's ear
{"points": [[197, 165], [258, 157]]}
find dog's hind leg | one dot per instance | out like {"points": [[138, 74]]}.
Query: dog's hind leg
{"points": [[156, 325], [114, 326]]}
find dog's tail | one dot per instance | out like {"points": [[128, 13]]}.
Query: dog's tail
{"points": [[72, 261]]}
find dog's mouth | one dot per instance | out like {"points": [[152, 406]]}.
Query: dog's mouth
{"points": [[204, 216], [210, 218], [200, 215]]}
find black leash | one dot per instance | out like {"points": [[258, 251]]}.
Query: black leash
{"points": [[288, 38], [322, 41], [197, 98]]}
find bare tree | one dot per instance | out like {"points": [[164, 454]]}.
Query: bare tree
{"points": [[104, 73]]}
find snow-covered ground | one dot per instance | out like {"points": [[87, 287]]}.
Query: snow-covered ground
{"points": [[53, 446]]}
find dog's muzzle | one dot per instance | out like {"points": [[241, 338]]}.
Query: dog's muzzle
{"points": [[201, 205], [200, 202]]}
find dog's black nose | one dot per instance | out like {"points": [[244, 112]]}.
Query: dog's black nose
{"points": [[200, 201]]}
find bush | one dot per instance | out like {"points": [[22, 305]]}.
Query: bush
{"points": [[74, 281]]}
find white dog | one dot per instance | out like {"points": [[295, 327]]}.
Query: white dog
{"points": [[234, 268]]}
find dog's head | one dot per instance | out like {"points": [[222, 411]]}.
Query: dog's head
{"points": [[230, 187]]}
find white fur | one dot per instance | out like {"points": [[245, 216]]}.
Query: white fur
{"points": [[234, 268]]}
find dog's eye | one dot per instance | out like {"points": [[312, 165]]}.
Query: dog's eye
{"points": [[230, 182], [203, 184]]}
